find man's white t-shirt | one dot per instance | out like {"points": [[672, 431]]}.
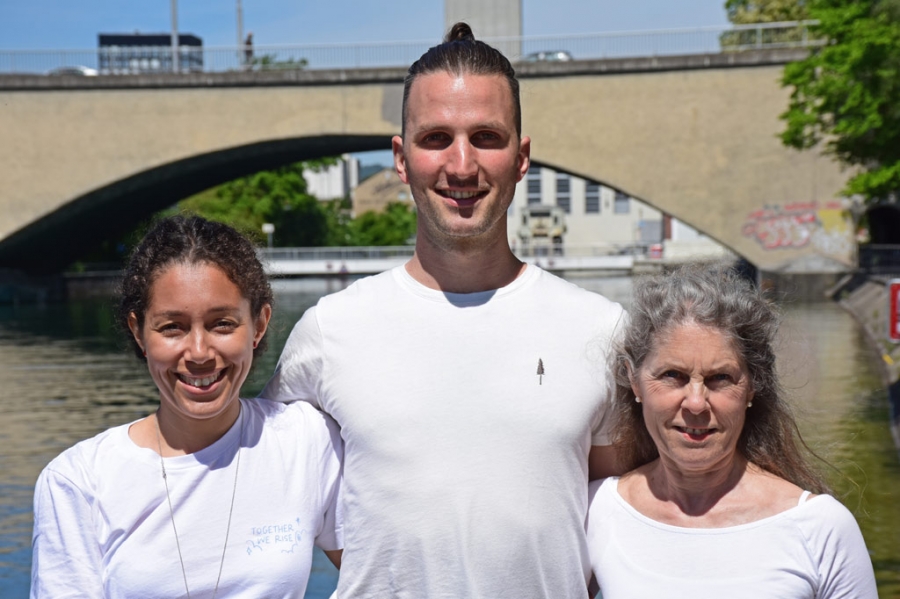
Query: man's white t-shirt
{"points": [[103, 527], [465, 470]]}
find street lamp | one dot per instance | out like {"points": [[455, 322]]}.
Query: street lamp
{"points": [[240, 32], [268, 229]]}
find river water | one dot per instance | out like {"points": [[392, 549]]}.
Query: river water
{"points": [[67, 377]]}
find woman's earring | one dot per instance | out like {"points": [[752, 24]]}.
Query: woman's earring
{"points": [[749, 404], [637, 399]]}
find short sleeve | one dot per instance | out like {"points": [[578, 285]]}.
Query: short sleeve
{"points": [[837, 546], [299, 370], [610, 342], [66, 558], [331, 533]]}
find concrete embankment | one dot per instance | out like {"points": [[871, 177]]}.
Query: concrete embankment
{"points": [[866, 298], [19, 288]]}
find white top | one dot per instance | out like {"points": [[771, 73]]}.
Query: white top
{"points": [[103, 528], [812, 551], [465, 472]]}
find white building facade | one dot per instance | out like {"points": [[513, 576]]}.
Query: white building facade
{"points": [[333, 182], [595, 215]]}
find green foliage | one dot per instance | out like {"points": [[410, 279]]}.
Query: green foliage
{"points": [[395, 226], [847, 93], [269, 62], [743, 12], [277, 196], [748, 12], [280, 197]]}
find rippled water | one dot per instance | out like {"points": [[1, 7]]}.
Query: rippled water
{"points": [[67, 376]]}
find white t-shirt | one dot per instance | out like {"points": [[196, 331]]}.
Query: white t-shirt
{"points": [[103, 528], [812, 551], [465, 471]]}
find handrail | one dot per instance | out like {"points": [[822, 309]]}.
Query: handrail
{"points": [[616, 44], [381, 252]]}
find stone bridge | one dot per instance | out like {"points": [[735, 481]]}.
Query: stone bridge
{"points": [[86, 158]]}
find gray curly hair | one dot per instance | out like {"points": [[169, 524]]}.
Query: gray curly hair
{"points": [[717, 297]]}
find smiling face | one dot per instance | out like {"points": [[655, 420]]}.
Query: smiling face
{"points": [[198, 336], [461, 156], [694, 389]]}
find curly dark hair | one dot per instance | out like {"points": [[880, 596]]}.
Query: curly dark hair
{"points": [[460, 53], [717, 297], [190, 240]]}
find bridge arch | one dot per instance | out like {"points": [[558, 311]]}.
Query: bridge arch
{"points": [[117, 207], [695, 137]]}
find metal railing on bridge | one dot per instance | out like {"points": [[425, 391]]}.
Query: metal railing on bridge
{"points": [[626, 44], [406, 251], [323, 261]]}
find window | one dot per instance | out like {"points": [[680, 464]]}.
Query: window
{"points": [[592, 198], [622, 205], [533, 180], [563, 192]]}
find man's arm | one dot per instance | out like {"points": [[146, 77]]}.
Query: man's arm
{"points": [[300, 365], [602, 462]]}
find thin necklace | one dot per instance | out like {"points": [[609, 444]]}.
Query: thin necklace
{"points": [[237, 467]]}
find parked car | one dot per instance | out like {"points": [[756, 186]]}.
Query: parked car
{"points": [[78, 71], [549, 56]]}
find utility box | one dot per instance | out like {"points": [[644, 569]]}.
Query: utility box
{"points": [[894, 310]]}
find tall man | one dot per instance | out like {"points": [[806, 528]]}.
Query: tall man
{"points": [[469, 387]]}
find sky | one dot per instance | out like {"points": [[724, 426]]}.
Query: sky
{"points": [[74, 24]]}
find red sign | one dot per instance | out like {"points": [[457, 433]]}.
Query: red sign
{"points": [[894, 310]]}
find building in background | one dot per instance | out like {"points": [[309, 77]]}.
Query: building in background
{"points": [[494, 19], [567, 214], [136, 53], [600, 218], [595, 214], [334, 182], [379, 190]]}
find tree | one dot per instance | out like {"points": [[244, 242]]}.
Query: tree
{"points": [[748, 12], [270, 62], [280, 196], [847, 93], [395, 226], [276, 196], [743, 12]]}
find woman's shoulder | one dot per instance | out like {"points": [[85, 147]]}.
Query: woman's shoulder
{"points": [[80, 460], [771, 494], [601, 493], [824, 512]]}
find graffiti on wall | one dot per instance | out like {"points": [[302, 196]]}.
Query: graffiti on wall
{"points": [[823, 226]]}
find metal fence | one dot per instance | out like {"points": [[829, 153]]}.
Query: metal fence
{"points": [[627, 44], [406, 251]]}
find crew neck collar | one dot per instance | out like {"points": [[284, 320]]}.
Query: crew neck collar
{"points": [[406, 280]]}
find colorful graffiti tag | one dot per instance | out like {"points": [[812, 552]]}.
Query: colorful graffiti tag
{"points": [[822, 225]]}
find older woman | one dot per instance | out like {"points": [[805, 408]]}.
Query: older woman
{"points": [[211, 495], [718, 500]]}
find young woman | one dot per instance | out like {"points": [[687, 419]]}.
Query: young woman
{"points": [[210, 496]]}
